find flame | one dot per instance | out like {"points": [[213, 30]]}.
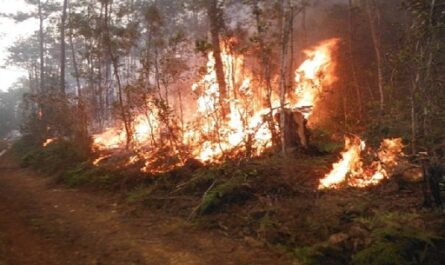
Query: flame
{"points": [[49, 141], [115, 137], [390, 151], [245, 124], [313, 75], [98, 160], [244, 131], [350, 168], [349, 163]]}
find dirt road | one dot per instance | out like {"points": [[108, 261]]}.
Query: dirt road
{"points": [[41, 223]]}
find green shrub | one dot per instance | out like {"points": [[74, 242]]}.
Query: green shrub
{"points": [[233, 190], [84, 174], [57, 157]]}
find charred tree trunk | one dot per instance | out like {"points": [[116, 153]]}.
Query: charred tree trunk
{"points": [[214, 13]]}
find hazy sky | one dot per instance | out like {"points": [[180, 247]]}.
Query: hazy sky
{"points": [[9, 32]]}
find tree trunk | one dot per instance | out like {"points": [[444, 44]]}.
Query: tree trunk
{"points": [[75, 66], [303, 25], [428, 81], [413, 118], [352, 62], [115, 62], [372, 12], [283, 82], [62, 48], [215, 19], [265, 63], [41, 49]]}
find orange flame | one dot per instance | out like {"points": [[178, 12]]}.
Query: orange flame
{"points": [[350, 169], [210, 138], [349, 163], [49, 141], [314, 74]]}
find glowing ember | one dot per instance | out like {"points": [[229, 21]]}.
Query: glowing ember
{"points": [[49, 141]]}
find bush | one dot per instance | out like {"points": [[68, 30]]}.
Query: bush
{"points": [[233, 190], [84, 174], [395, 240], [392, 239], [58, 156]]}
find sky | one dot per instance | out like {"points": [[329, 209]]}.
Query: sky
{"points": [[9, 32]]}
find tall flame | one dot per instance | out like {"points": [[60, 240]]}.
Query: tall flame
{"points": [[314, 75]]}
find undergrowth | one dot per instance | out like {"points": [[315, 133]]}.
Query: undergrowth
{"points": [[62, 159], [386, 238], [268, 200]]}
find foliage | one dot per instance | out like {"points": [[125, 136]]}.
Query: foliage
{"points": [[55, 158], [233, 190], [10, 116], [84, 174], [392, 238], [396, 239]]}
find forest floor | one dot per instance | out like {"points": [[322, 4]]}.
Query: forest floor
{"points": [[58, 208], [44, 223]]}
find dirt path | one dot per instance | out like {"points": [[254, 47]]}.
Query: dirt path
{"points": [[45, 224]]}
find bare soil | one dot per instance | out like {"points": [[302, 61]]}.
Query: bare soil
{"points": [[44, 223]]}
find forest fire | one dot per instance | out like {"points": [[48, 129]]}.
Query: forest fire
{"points": [[178, 131], [351, 170], [244, 130]]}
